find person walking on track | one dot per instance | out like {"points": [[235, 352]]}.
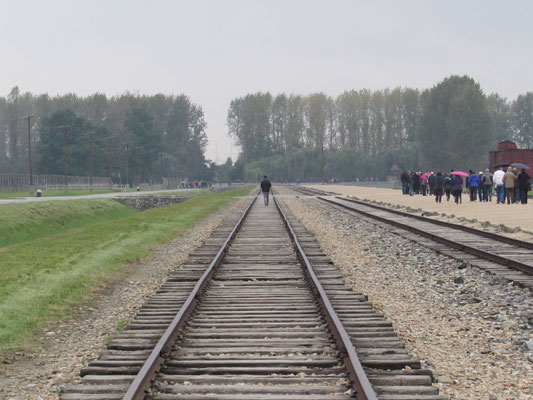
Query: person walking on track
{"points": [[265, 188]]}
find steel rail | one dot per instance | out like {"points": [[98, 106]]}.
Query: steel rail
{"points": [[142, 381], [488, 235], [358, 378], [451, 243]]}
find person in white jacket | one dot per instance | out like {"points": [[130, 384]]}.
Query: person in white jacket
{"points": [[500, 188]]}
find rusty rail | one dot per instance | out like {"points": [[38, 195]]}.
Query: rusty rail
{"points": [[451, 243], [358, 377], [488, 235], [136, 390]]}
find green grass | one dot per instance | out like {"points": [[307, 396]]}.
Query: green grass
{"points": [[42, 276], [28, 221]]}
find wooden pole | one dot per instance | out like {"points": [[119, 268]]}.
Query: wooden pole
{"points": [[29, 117], [91, 160]]}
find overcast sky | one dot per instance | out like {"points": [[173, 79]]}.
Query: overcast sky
{"points": [[215, 51]]}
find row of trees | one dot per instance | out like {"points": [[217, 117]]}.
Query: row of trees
{"points": [[361, 134], [135, 138]]}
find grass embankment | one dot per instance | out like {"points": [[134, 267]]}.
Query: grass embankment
{"points": [[24, 222], [65, 250]]}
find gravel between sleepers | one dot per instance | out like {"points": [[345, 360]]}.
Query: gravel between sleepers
{"points": [[474, 332], [63, 349]]}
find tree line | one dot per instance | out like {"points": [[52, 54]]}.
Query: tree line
{"points": [[362, 134], [134, 138]]}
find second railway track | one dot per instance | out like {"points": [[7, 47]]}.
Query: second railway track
{"points": [[274, 321], [495, 253]]}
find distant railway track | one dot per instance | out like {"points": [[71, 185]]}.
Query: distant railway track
{"points": [[258, 312], [506, 255]]}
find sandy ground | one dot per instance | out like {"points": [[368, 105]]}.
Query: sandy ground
{"points": [[513, 215]]}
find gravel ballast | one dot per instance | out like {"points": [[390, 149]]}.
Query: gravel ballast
{"points": [[62, 350], [473, 331]]}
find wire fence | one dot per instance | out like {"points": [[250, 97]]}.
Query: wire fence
{"points": [[21, 182]]}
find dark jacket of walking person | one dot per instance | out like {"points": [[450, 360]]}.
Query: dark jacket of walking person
{"points": [[432, 182], [524, 184], [486, 184], [457, 188], [423, 185], [417, 183], [439, 187], [473, 183], [265, 188], [447, 187], [508, 182], [404, 178], [480, 187], [516, 197]]}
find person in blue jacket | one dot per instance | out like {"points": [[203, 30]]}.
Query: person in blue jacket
{"points": [[473, 184]]}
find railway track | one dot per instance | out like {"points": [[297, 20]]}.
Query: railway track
{"points": [[511, 258], [258, 312]]}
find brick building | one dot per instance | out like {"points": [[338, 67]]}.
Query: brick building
{"points": [[508, 153]]}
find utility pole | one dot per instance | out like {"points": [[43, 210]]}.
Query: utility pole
{"points": [[28, 118], [127, 144], [90, 133], [139, 165], [322, 161], [66, 157], [91, 160], [65, 153], [109, 161], [161, 166]]}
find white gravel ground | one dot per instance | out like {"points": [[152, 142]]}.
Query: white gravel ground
{"points": [[471, 330], [62, 350]]}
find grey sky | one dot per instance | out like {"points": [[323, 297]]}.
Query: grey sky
{"points": [[214, 51]]}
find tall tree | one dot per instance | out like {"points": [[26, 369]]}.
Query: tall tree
{"points": [[145, 141], [331, 125], [316, 115], [280, 117], [501, 117], [13, 124], [3, 133], [523, 119], [411, 113], [364, 118], [248, 121], [295, 123], [316, 112], [347, 105], [456, 129], [393, 119], [377, 123], [53, 147]]}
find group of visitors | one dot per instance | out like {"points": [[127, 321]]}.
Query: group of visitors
{"points": [[511, 185], [196, 185]]}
